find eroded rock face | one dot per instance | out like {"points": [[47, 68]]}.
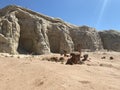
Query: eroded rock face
{"points": [[86, 37], [27, 32], [37, 33], [110, 40], [9, 33], [59, 38]]}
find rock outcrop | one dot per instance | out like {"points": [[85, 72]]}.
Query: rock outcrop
{"points": [[59, 38], [26, 32], [86, 37], [9, 33], [110, 40]]}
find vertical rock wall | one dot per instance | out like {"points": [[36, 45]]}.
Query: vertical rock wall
{"points": [[110, 40], [10, 30], [26, 32], [86, 37], [59, 38]]}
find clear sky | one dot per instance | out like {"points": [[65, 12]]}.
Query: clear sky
{"points": [[101, 14]]}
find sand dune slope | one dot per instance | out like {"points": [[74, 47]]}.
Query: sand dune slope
{"points": [[31, 73]]}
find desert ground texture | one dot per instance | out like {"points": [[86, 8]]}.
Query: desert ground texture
{"points": [[29, 72]]}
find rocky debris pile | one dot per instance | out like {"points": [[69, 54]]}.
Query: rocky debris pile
{"points": [[75, 58], [23, 31], [111, 57], [56, 59]]}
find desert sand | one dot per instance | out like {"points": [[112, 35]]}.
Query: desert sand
{"points": [[25, 72]]}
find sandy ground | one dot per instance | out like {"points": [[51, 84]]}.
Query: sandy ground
{"points": [[20, 72]]}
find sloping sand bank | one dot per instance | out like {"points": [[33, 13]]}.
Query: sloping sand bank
{"points": [[32, 73]]}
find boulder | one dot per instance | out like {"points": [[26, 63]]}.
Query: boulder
{"points": [[75, 58]]}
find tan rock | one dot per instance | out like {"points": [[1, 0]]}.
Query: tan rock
{"points": [[110, 40], [26, 32]]}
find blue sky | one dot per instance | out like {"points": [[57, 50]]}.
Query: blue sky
{"points": [[101, 14]]}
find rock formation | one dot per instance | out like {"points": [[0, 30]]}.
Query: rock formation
{"points": [[26, 32], [110, 40], [87, 37]]}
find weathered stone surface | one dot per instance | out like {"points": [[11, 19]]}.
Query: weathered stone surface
{"points": [[28, 32], [110, 40], [10, 30], [25, 32], [86, 37], [59, 38]]}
